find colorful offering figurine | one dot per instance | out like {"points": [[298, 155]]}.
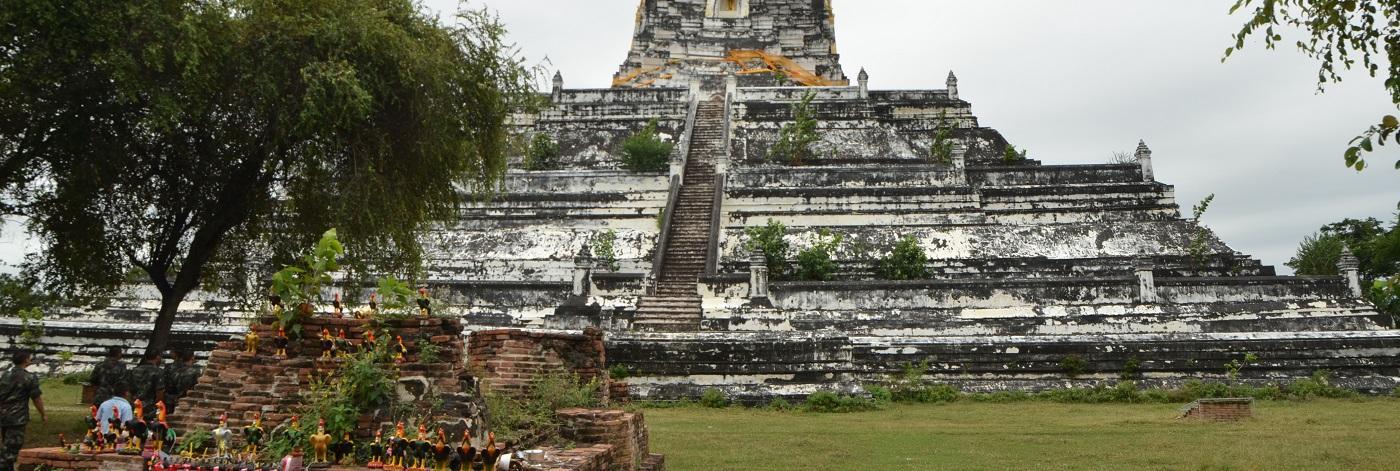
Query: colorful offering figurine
{"points": [[368, 343], [161, 433], [276, 307], [223, 437], [345, 447], [339, 310], [442, 452], [138, 427], [421, 448], [490, 454], [400, 351], [342, 344], [281, 342], [424, 309], [327, 344], [250, 341], [321, 444], [114, 426], [376, 450], [253, 435], [398, 447], [466, 453], [368, 312]]}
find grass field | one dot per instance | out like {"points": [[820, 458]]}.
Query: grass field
{"points": [[1312, 435]]}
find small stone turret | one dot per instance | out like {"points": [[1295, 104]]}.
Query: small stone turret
{"points": [[583, 270], [558, 87], [952, 85], [1349, 267], [1144, 158], [864, 80], [1147, 282]]}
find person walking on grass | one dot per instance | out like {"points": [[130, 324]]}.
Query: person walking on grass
{"points": [[109, 377], [17, 388]]}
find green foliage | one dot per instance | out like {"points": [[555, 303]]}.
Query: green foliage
{"points": [[219, 135], [645, 152], [907, 261], [780, 79], [1340, 35], [795, 139], [19, 293], [1233, 367], [769, 240], [941, 150], [544, 153], [1073, 365], [1317, 255], [428, 352], [619, 372], [880, 393], [1011, 155], [1200, 243], [298, 284], [815, 263], [661, 220], [76, 378], [1132, 369], [1385, 295], [396, 298], [604, 249], [829, 402], [196, 442], [781, 405], [31, 327], [516, 417], [908, 386], [714, 399]]}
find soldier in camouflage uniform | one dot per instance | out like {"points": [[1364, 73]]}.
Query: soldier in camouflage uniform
{"points": [[147, 383], [108, 378], [17, 388], [180, 376]]}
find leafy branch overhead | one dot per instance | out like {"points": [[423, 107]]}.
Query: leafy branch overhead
{"points": [[1341, 35]]}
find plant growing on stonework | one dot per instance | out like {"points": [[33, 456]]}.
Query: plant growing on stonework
{"points": [[515, 417], [815, 263], [1132, 369], [544, 153], [1385, 295], [1233, 367], [907, 261], [795, 139], [300, 285], [769, 241], [619, 372], [31, 327], [661, 220], [1199, 244], [605, 250], [941, 150], [713, 399], [1011, 155], [1123, 158], [196, 441], [645, 152], [428, 352], [1073, 365]]}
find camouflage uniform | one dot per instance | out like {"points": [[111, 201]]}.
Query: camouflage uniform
{"points": [[17, 388], [107, 380], [146, 381], [179, 378]]}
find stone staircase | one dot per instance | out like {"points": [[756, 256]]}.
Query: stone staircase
{"points": [[675, 307]]}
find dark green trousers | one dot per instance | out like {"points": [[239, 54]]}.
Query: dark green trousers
{"points": [[11, 440]]}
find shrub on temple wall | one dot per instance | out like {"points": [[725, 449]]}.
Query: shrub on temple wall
{"points": [[815, 263], [795, 139], [544, 153], [645, 152], [906, 261], [769, 241]]}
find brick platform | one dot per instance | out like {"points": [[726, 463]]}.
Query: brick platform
{"points": [[1219, 410], [56, 458], [510, 360]]}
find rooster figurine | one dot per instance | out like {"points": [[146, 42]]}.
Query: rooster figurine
{"points": [[281, 342], [465, 453], [253, 435], [442, 452], [138, 427], [339, 310], [490, 455], [327, 344], [223, 437], [376, 450]]}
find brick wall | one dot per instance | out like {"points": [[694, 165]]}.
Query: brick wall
{"points": [[511, 360], [58, 459], [1223, 410]]}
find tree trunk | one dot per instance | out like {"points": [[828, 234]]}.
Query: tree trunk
{"points": [[165, 320]]}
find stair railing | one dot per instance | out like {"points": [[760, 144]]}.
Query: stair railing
{"points": [[673, 198], [717, 208]]}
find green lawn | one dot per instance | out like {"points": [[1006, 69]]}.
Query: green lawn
{"points": [[66, 413], [1314, 435]]}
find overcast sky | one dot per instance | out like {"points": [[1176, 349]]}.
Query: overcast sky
{"points": [[1073, 81]]}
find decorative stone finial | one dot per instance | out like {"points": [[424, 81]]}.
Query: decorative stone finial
{"points": [[864, 80], [1144, 158], [558, 91], [1349, 266], [952, 85], [1147, 283]]}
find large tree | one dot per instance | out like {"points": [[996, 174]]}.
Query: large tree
{"points": [[184, 137], [1341, 35]]}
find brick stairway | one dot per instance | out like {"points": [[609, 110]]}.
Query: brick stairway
{"points": [[676, 305]]}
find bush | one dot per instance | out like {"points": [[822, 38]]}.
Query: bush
{"points": [[1011, 155], [1132, 369], [544, 153], [769, 240], [880, 393], [829, 402], [781, 405], [906, 261], [604, 249], [941, 150], [1073, 365], [796, 138], [713, 398], [645, 152], [80, 377], [619, 372], [815, 263], [516, 417]]}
